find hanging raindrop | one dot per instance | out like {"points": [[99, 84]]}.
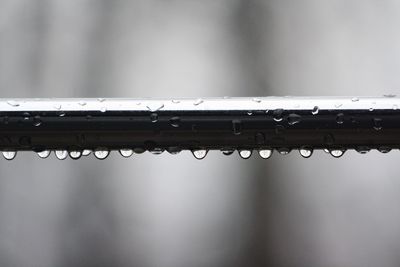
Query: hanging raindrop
{"points": [[306, 152], [126, 153], [362, 149], [384, 149], [86, 152], [156, 151], [75, 154], [265, 153], [200, 153], [174, 150], [9, 155], [337, 153], [101, 153], [284, 150], [227, 151], [61, 154], [245, 154], [44, 154], [315, 110]]}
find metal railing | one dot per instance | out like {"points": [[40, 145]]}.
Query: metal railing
{"points": [[77, 126]]}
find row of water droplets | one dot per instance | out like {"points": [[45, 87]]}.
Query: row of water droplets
{"points": [[154, 106], [101, 154]]}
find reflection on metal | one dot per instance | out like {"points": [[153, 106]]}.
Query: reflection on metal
{"points": [[264, 123]]}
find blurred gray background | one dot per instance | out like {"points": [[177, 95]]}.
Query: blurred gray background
{"points": [[175, 211]]}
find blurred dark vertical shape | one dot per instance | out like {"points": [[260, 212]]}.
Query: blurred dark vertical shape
{"points": [[250, 25], [89, 217]]}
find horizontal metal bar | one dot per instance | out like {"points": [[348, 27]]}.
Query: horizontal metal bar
{"points": [[265, 123]]}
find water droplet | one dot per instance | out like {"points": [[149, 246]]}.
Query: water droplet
{"points": [[57, 106], [101, 99], [315, 110], [13, 103], [156, 151], [139, 150], [103, 109], [355, 99], [9, 155], [237, 127], [377, 124], [154, 117], [26, 116], [174, 150], [44, 154], [306, 152], [326, 150], [62, 114], [75, 154], [227, 151], [200, 153], [175, 122], [37, 121], [86, 152], [245, 154], [338, 105], [154, 106], [176, 101], [249, 112], [265, 153], [384, 149], [371, 109], [362, 149], [340, 118], [198, 101], [395, 107], [389, 95], [257, 100], [293, 119], [101, 153], [61, 154], [82, 103], [284, 150], [337, 153], [126, 153], [278, 114]]}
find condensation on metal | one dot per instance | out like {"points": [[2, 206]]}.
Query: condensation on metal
{"points": [[207, 104], [262, 123]]}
